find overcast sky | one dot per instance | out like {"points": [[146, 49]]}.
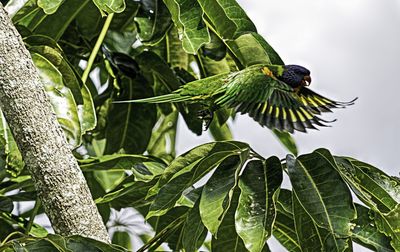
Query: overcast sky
{"points": [[353, 50]]}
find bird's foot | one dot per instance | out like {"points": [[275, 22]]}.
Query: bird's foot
{"points": [[207, 116]]}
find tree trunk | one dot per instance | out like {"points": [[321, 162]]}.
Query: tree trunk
{"points": [[59, 182]]}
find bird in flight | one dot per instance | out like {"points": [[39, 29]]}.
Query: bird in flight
{"points": [[276, 96]]}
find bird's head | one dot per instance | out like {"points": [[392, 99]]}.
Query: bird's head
{"points": [[296, 76]]}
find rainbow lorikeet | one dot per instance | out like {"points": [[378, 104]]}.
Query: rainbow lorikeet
{"points": [[273, 95]]}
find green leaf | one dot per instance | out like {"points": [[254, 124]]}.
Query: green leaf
{"points": [[153, 26], [29, 15], [55, 25], [284, 230], [256, 211], [129, 125], [187, 16], [220, 132], [194, 232], [184, 163], [311, 237], [378, 191], [389, 224], [251, 49], [144, 168], [177, 57], [110, 6], [122, 239], [89, 21], [128, 193], [187, 169], [366, 233], [49, 49], [87, 111], [286, 139], [61, 98], [6, 204], [217, 193], [371, 185], [170, 227], [9, 149], [216, 49], [227, 17], [227, 239], [49, 6], [162, 142], [319, 188]]}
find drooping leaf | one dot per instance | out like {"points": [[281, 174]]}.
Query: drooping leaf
{"points": [[366, 233], [256, 211], [49, 6], [215, 49], [61, 98], [176, 55], [284, 229], [129, 125], [319, 188], [55, 25], [170, 227], [9, 150], [86, 111], [129, 193], [251, 49], [194, 231], [187, 16], [89, 21], [123, 239], [227, 239], [187, 169], [389, 224], [217, 193], [51, 51], [228, 18], [6, 204], [375, 188], [311, 237], [153, 23], [162, 142], [286, 139], [110, 6], [378, 191]]}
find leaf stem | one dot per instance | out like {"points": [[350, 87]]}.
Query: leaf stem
{"points": [[96, 47], [33, 214]]}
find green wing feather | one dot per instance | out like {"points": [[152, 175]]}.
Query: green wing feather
{"points": [[274, 104], [174, 97]]}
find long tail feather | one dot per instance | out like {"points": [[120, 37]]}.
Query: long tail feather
{"points": [[159, 99]]}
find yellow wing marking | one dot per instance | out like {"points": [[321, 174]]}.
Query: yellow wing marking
{"points": [[267, 72], [308, 115], [292, 115], [270, 109], [301, 117], [277, 112], [264, 108]]}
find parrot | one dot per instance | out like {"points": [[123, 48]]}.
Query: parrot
{"points": [[276, 96]]}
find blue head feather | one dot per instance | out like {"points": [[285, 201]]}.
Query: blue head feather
{"points": [[293, 75]]}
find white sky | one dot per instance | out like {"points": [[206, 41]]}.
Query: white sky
{"points": [[352, 49]]}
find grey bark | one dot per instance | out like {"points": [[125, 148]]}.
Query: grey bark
{"points": [[59, 181]]}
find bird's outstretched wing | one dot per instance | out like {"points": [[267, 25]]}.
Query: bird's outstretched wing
{"points": [[274, 104]]}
